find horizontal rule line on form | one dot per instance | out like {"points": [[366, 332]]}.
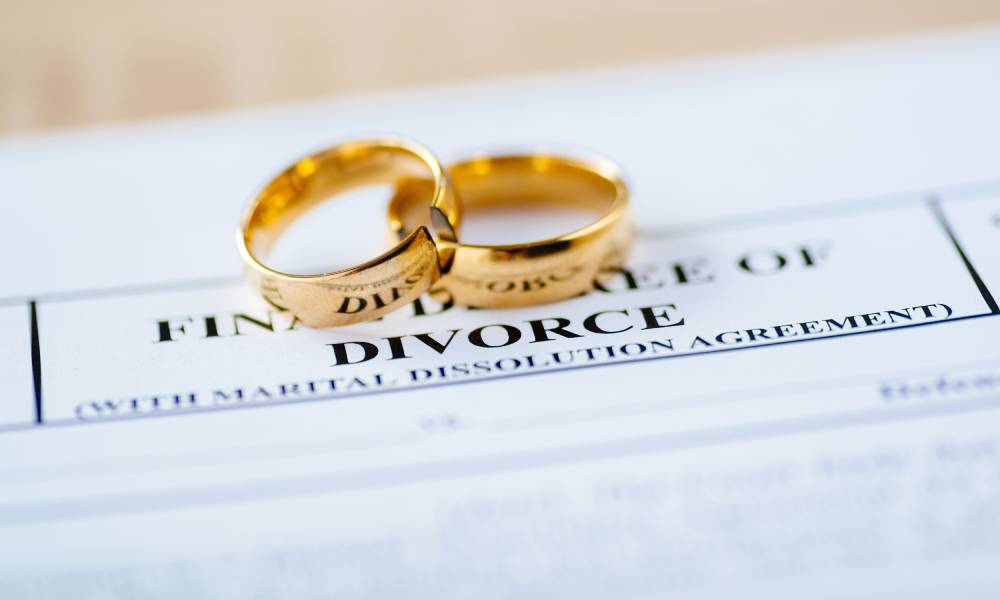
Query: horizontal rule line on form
{"points": [[43, 511], [764, 217], [66, 422]]}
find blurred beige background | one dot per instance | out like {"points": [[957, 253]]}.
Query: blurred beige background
{"points": [[72, 62]]}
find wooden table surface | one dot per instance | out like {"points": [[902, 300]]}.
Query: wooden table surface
{"points": [[67, 62]]}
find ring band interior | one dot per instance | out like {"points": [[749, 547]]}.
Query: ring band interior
{"points": [[513, 180], [317, 178]]}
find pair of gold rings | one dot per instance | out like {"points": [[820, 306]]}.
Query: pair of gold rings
{"points": [[427, 244]]}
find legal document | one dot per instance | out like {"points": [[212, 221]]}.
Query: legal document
{"points": [[791, 390]]}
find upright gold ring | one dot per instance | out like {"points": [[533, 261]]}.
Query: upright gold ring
{"points": [[534, 272], [378, 286]]}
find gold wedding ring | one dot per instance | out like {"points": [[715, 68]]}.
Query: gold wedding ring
{"points": [[535, 272], [376, 287]]}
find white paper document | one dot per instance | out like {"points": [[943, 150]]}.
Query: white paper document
{"points": [[791, 391]]}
